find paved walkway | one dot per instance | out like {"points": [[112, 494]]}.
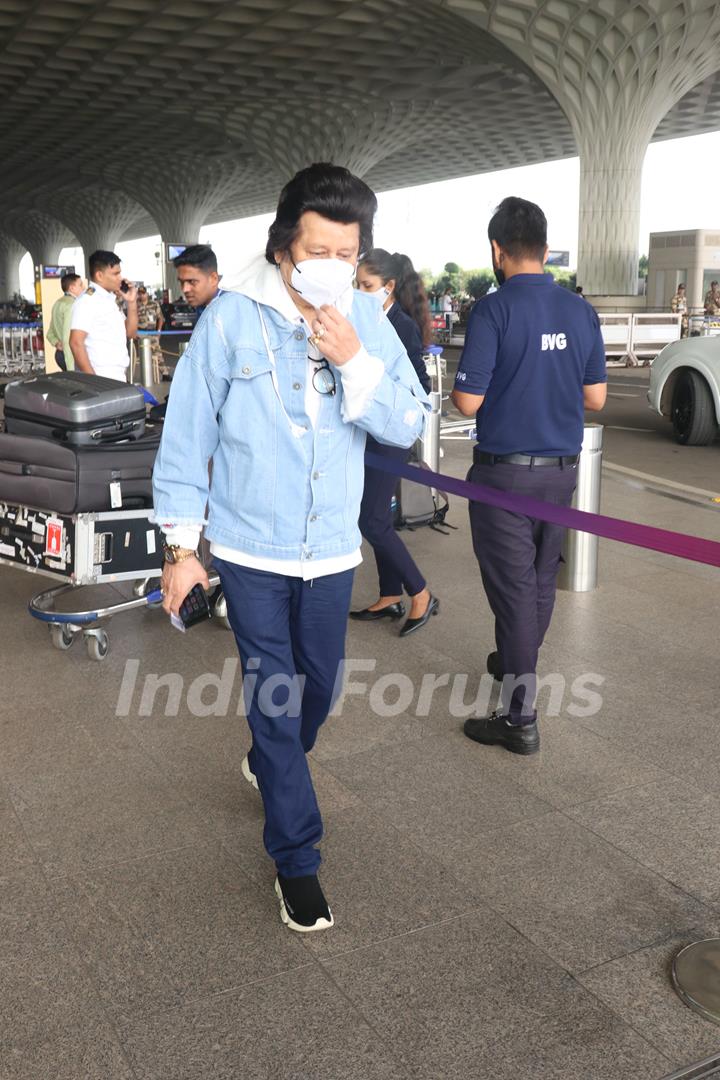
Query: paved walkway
{"points": [[497, 917]]}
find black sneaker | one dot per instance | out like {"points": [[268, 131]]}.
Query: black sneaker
{"points": [[493, 666], [303, 906], [494, 730]]}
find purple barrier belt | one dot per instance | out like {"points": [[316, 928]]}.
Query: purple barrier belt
{"points": [[694, 548]]}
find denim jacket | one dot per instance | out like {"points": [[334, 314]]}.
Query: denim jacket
{"points": [[281, 487]]}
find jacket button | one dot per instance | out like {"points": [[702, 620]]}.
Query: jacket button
{"points": [[299, 335], [297, 386], [313, 517], [316, 476], [246, 370]]}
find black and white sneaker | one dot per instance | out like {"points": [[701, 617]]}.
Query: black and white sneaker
{"points": [[303, 906]]}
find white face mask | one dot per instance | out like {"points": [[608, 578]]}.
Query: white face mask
{"points": [[381, 295], [323, 281]]}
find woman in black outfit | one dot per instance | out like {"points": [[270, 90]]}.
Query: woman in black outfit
{"points": [[401, 291]]}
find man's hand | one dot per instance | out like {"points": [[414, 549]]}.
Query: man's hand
{"points": [[334, 336], [177, 581], [131, 294]]}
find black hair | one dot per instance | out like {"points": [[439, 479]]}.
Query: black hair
{"points": [[102, 260], [520, 228], [67, 280], [200, 255], [409, 289], [579, 290], [329, 190]]}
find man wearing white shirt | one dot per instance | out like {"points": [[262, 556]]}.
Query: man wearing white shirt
{"points": [[99, 330]]}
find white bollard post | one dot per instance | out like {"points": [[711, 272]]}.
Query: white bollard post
{"points": [[579, 572], [430, 442], [146, 362]]}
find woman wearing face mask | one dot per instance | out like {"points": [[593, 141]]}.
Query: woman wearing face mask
{"points": [[283, 378], [393, 281]]}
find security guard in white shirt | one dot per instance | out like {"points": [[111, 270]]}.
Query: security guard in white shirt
{"points": [[99, 330]]}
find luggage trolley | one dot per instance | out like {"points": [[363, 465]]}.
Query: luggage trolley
{"points": [[84, 550]]}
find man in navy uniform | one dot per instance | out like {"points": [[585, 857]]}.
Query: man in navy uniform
{"points": [[533, 361]]}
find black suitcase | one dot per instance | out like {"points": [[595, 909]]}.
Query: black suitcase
{"points": [[76, 479], [74, 408]]}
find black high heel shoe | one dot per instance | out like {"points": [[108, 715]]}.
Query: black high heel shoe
{"points": [[411, 625], [392, 611]]}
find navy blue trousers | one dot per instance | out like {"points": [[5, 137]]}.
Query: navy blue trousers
{"points": [[396, 567], [291, 638], [519, 559]]}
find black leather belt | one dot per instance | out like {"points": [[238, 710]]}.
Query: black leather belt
{"points": [[483, 458]]}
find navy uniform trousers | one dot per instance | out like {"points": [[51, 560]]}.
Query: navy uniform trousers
{"points": [[396, 567], [289, 632], [519, 559]]}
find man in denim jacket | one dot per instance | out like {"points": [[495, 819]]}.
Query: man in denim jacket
{"points": [[282, 380]]}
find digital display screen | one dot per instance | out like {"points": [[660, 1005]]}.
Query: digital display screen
{"points": [[57, 271], [173, 250], [558, 258]]}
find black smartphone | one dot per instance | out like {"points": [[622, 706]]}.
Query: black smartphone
{"points": [[195, 607], [125, 286]]}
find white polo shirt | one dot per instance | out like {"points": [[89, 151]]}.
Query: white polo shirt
{"points": [[97, 313]]}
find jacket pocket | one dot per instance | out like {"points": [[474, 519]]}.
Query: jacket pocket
{"points": [[249, 446], [247, 363]]}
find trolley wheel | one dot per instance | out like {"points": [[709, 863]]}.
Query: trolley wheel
{"points": [[61, 637], [220, 611], [97, 644], [144, 586]]}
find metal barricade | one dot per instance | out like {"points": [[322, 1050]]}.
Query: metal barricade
{"points": [[579, 571], [616, 329], [651, 332]]}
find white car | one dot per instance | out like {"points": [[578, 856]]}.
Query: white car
{"points": [[685, 387]]}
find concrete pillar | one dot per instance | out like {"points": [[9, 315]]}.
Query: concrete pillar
{"points": [[11, 252], [179, 192], [609, 225], [332, 130], [98, 216], [43, 236], [616, 69]]}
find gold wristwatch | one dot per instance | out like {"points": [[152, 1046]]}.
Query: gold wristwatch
{"points": [[173, 553]]}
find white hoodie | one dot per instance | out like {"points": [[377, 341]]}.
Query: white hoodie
{"points": [[263, 283]]}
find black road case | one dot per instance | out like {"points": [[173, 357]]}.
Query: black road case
{"points": [[84, 549]]}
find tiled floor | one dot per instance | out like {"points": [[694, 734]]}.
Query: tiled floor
{"points": [[497, 917]]}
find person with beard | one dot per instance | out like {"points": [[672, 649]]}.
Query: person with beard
{"points": [[533, 361]]}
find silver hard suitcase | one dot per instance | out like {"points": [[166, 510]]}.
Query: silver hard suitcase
{"points": [[75, 408]]}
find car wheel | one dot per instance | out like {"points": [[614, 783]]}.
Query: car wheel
{"points": [[693, 410]]}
